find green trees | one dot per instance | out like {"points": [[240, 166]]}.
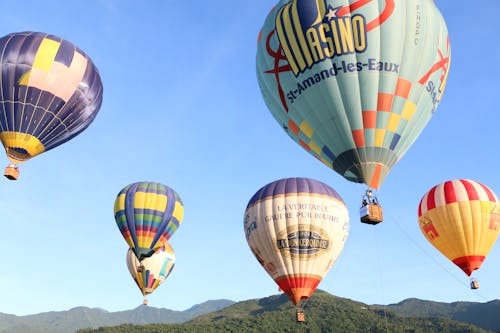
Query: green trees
{"points": [[324, 314]]}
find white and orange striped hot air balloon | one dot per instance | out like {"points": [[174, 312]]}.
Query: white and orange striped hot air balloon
{"points": [[461, 218], [296, 228]]}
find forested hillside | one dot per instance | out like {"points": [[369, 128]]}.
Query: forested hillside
{"points": [[324, 313]]}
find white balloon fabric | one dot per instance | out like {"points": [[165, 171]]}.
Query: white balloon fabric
{"points": [[149, 273], [296, 228]]}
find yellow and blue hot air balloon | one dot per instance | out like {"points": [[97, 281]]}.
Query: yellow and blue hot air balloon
{"points": [[354, 82], [50, 91], [147, 215], [296, 228], [149, 273], [461, 219]]}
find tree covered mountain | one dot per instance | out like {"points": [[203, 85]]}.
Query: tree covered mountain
{"points": [[485, 315], [324, 313]]}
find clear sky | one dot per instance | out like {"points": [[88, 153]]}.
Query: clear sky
{"points": [[182, 107]]}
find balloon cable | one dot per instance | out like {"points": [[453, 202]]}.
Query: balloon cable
{"points": [[459, 280], [381, 275]]}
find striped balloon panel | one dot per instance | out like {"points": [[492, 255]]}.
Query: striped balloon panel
{"points": [[354, 82], [155, 269], [296, 228], [50, 91], [147, 215], [461, 218]]}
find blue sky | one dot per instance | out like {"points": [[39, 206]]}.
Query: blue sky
{"points": [[182, 107]]}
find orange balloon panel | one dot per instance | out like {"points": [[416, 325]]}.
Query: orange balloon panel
{"points": [[461, 218]]}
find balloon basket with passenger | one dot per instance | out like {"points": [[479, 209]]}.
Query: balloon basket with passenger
{"points": [[474, 284], [299, 314], [370, 211], [12, 171]]}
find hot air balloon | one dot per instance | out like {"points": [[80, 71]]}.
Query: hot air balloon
{"points": [[50, 92], [353, 82], [296, 228], [149, 273], [147, 215], [461, 219]]}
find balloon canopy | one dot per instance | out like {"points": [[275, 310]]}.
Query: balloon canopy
{"points": [[147, 215], [461, 218], [50, 91], [354, 82], [149, 273], [296, 228]]}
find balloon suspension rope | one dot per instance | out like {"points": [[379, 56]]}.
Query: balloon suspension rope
{"points": [[299, 313], [381, 276], [461, 281]]}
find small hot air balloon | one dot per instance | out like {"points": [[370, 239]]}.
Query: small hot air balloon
{"points": [[149, 273], [147, 215], [354, 82], [461, 219], [50, 91], [296, 228]]}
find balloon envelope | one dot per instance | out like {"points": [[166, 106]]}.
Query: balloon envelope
{"points": [[50, 91], [147, 215], [296, 228], [461, 218], [353, 82], [149, 273]]}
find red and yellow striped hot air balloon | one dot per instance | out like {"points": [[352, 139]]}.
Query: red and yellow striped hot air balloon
{"points": [[461, 218]]}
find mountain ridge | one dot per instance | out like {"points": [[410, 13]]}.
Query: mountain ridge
{"points": [[69, 321], [269, 310], [324, 313], [485, 315]]}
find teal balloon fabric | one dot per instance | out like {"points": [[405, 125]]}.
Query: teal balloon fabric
{"points": [[354, 82]]}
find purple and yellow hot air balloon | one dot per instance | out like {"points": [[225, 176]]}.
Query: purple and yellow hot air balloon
{"points": [[296, 228], [50, 91], [461, 219], [149, 273], [147, 215], [354, 82]]}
